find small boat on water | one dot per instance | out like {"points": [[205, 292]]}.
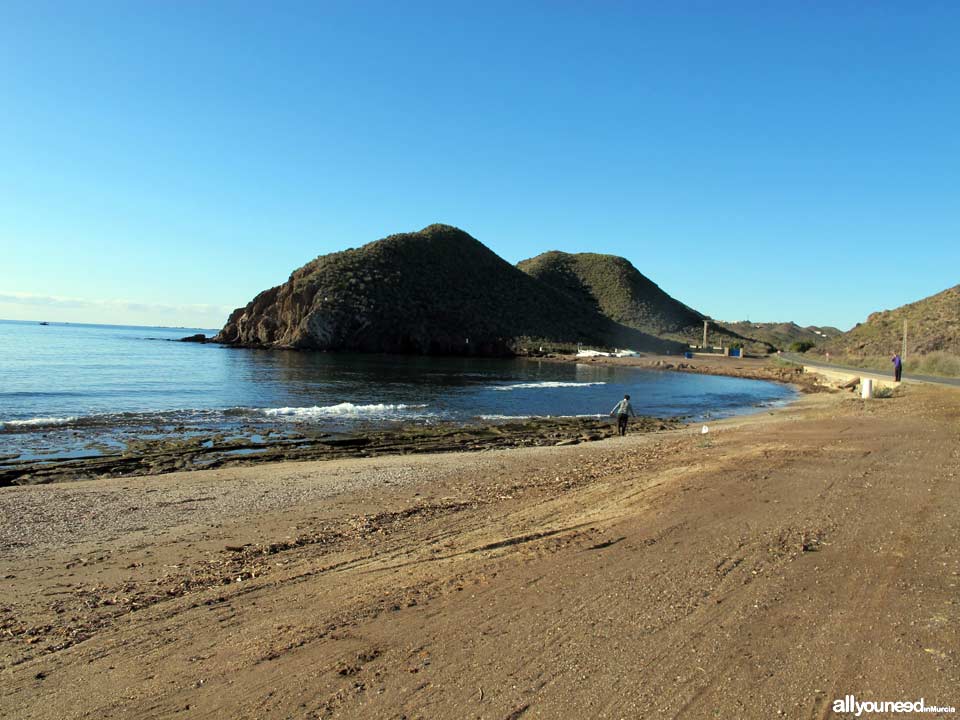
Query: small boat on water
{"points": [[44, 323]]}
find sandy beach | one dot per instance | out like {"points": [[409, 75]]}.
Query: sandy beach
{"points": [[765, 569]]}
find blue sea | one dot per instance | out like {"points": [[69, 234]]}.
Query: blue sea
{"points": [[70, 389]]}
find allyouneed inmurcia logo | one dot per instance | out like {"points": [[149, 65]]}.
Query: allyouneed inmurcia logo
{"points": [[849, 704]]}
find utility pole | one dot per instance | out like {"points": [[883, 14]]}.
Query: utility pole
{"points": [[903, 350], [704, 335]]}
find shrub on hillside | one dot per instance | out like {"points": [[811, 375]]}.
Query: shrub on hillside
{"points": [[935, 363]]}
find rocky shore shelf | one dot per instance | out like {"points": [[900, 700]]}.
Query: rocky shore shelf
{"points": [[207, 452]]}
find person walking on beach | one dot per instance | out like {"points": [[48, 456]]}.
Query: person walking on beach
{"points": [[897, 366], [623, 411]]}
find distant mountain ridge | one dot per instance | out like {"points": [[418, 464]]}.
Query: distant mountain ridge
{"points": [[436, 291], [783, 335]]}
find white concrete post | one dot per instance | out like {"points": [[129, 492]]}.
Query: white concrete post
{"points": [[866, 388]]}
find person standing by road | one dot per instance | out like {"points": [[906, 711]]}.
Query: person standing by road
{"points": [[897, 366], [623, 411]]}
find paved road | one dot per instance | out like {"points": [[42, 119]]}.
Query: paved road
{"points": [[803, 360]]}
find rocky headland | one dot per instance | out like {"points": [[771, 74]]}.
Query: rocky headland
{"points": [[437, 291]]}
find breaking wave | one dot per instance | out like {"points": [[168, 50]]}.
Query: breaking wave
{"points": [[207, 417], [37, 422], [545, 384], [345, 409]]}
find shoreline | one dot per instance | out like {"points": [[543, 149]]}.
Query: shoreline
{"points": [[197, 452], [208, 451], [749, 368]]}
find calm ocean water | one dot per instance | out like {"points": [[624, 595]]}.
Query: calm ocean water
{"points": [[69, 389]]}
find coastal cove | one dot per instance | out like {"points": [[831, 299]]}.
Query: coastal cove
{"points": [[73, 391]]}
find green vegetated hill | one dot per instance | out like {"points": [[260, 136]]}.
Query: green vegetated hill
{"points": [[933, 325], [436, 291], [782, 335], [617, 289]]}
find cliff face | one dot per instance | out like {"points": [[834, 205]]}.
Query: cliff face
{"points": [[618, 290], [437, 291]]}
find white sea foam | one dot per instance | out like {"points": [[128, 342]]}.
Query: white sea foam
{"points": [[38, 421], [340, 410], [546, 384]]}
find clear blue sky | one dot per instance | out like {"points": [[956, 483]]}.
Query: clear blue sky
{"points": [[162, 162]]}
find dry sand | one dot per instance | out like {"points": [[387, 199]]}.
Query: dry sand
{"points": [[780, 562]]}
